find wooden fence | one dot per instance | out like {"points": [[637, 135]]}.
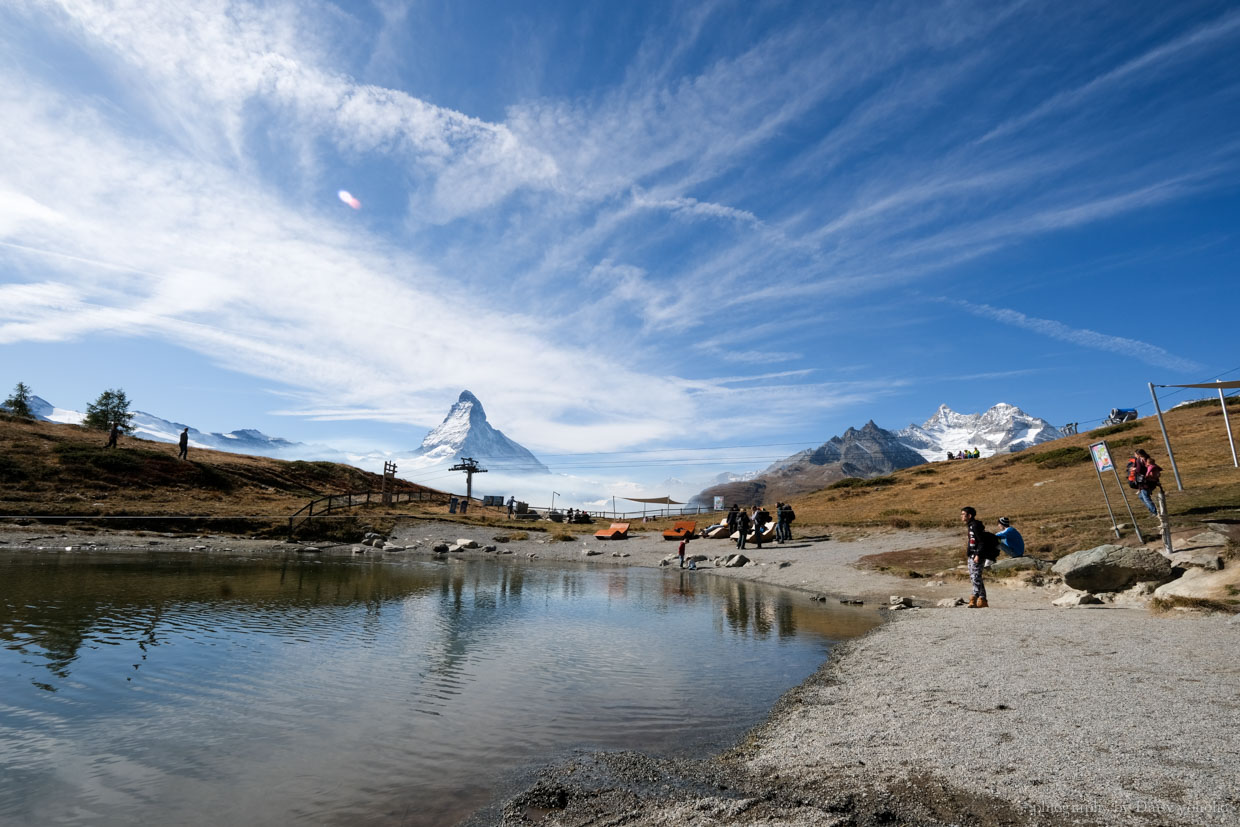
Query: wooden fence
{"points": [[336, 502]]}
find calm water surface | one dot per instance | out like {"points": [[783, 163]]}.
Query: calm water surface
{"points": [[172, 688]]}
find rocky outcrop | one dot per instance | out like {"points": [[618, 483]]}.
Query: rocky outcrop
{"points": [[1111, 568]]}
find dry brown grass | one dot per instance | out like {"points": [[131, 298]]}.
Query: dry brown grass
{"points": [[917, 562], [62, 471], [1052, 498], [1162, 605]]}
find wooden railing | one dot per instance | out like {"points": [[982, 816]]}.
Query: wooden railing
{"points": [[335, 502]]}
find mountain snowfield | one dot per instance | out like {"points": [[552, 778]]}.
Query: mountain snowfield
{"points": [[1002, 429], [465, 432]]}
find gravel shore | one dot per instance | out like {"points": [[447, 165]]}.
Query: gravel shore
{"points": [[1019, 714]]}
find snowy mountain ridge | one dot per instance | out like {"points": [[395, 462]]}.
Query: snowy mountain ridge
{"points": [[999, 430], [465, 432], [149, 426]]}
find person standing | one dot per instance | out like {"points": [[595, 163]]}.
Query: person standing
{"points": [[761, 519], [512, 503], [184, 443], [113, 436], [742, 528], [680, 551], [731, 519], [973, 553], [785, 517], [1010, 539]]}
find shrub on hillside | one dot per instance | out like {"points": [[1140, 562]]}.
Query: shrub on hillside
{"points": [[1056, 458], [862, 482], [1113, 429]]}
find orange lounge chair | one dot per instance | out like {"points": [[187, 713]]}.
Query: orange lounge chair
{"points": [[681, 530], [617, 531]]}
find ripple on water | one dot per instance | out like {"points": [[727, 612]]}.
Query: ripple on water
{"points": [[200, 690]]}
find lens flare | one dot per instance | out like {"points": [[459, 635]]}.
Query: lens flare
{"points": [[348, 198]]}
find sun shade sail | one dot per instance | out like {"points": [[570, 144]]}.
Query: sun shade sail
{"points": [[1235, 383], [655, 500]]}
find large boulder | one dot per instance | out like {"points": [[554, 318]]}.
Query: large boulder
{"points": [[1112, 568], [1204, 583]]}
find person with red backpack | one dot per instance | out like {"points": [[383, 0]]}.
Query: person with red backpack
{"points": [[1145, 478]]}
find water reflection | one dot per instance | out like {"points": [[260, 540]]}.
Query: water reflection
{"points": [[225, 688]]}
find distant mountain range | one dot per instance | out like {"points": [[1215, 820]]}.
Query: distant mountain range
{"points": [[465, 432], [149, 426], [873, 451]]}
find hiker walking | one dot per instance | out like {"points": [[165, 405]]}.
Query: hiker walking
{"points": [[113, 435], [1146, 476], [184, 443], [973, 552], [742, 527], [1010, 539]]}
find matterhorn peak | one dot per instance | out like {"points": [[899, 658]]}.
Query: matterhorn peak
{"points": [[465, 432]]}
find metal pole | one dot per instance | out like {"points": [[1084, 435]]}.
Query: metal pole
{"points": [[1124, 495], [1222, 400], [1166, 439], [1108, 501]]}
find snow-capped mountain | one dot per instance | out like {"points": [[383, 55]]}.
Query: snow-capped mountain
{"points": [[149, 426], [732, 476], [465, 432], [871, 451], [1001, 429]]}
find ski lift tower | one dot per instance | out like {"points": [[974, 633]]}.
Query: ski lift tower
{"points": [[470, 466]]}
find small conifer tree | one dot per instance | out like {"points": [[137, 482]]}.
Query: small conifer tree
{"points": [[111, 408], [18, 404]]}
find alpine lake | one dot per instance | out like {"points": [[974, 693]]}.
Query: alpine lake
{"points": [[171, 687]]}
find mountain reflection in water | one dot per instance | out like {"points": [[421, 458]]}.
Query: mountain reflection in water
{"points": [[218, 688]]}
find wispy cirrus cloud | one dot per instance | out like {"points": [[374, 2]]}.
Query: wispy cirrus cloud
{"points": [[1132, 348]]}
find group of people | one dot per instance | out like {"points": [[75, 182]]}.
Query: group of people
{"points": [[742, 524], [972, 453]]}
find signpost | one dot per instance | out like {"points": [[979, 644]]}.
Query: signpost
{"points": [[1101, 455]]}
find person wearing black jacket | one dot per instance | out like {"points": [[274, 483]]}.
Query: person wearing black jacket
{"points": [[742, 526], [973, 552]]}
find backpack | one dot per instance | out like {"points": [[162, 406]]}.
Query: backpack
{"points": [[1135, 478], [989, 546], [789, 514]]}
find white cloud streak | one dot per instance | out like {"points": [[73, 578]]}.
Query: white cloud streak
{"points": [[1131, 348]]}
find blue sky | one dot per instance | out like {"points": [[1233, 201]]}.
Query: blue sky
{"points": [[624, 226]]}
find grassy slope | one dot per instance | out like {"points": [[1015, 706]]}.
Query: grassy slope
{"points": [[50, 469], [1051, 492]]}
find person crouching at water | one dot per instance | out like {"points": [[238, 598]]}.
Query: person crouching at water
{"points": [[973, 552], [1010, 539]]}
